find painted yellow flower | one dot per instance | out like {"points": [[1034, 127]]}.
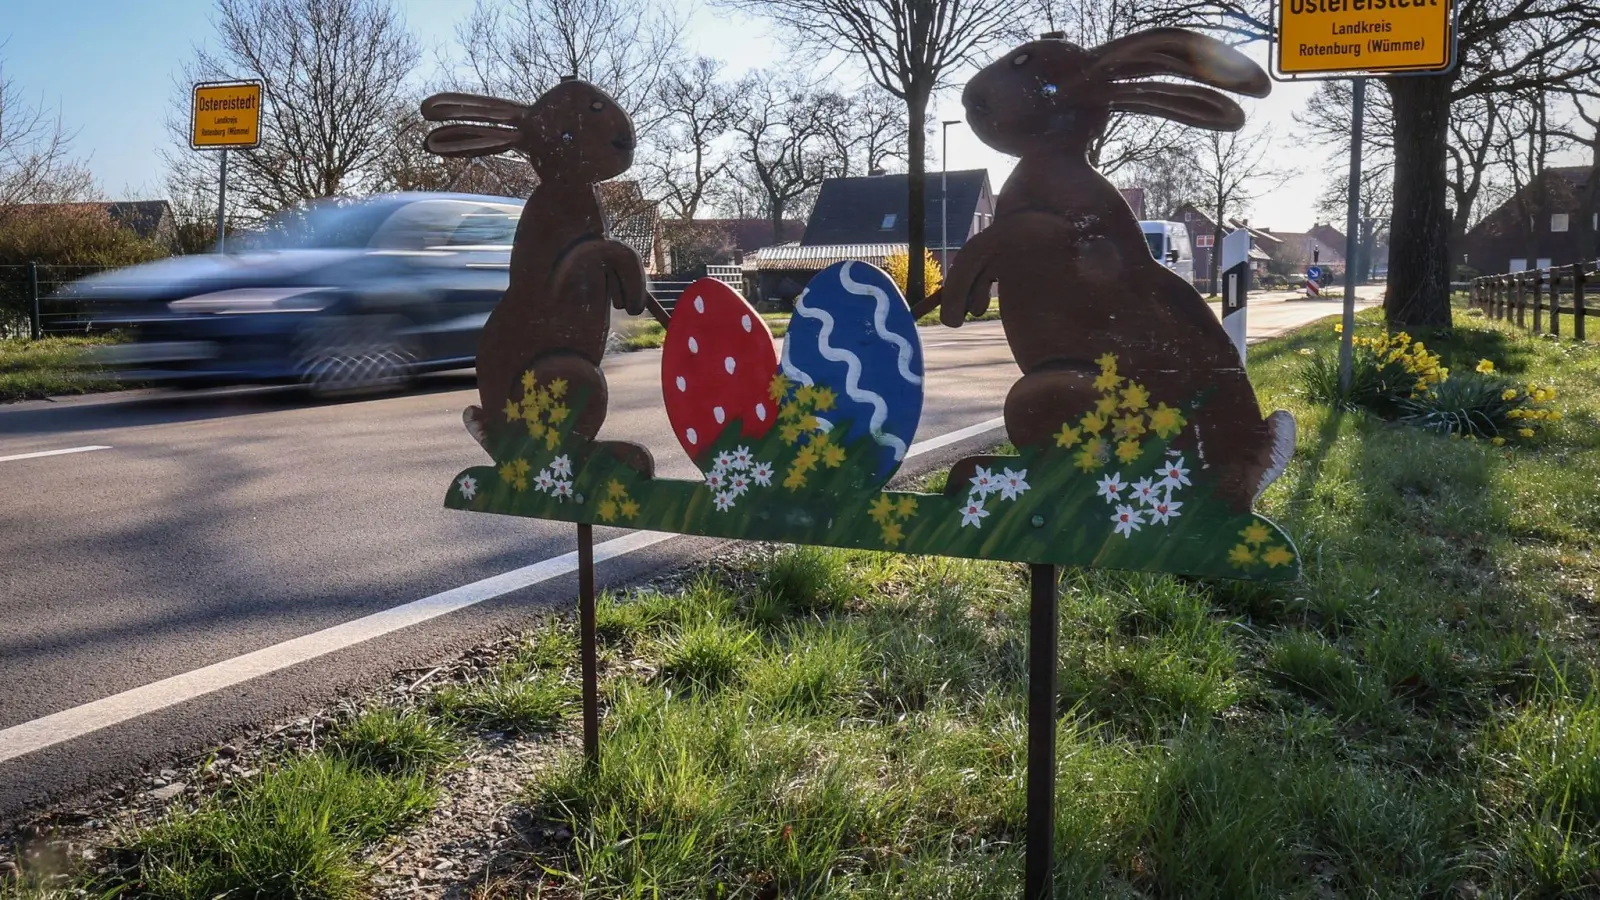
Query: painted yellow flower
{"points": [[1088, 459], [1277, 555], [616, 490], [1509, 394], [1525, 432], [1255, 534], [789, 433], [608, 510], [1108, 380], [1067, 437], [536, 428], [529, 382], [552, 438], [1241, 556], [1485, 366], [892, 534], [907, 507], [1107, 362], [882, 509], [558, 388], [810, 423], [630, 509], [806, 459], [513, 411], [833, 456], [778, 387], [795, 480], [1131, 425], [521, 483], [790, 411], [1128, 450], [508, 471], [1106, 405], [1135, 397], [805, 396], [824, 398], [1166, 421], [1093, 423], [558, 414]]}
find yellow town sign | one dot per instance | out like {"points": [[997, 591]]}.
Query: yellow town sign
{"points": [[1364, 37], [226, 115]]}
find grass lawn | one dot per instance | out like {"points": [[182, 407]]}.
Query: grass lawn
{"points": [[31, 370], [1417, 718]]}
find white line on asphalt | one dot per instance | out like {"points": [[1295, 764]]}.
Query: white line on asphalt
{"points": [[44, 453], [78, 721]]}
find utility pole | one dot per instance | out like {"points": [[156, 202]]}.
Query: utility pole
{"points": [[944, 199]]}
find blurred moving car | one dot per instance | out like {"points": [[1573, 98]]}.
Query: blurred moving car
{"points": [[341, 296]]}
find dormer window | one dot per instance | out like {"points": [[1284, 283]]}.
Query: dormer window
{"points": [[888, 221]]}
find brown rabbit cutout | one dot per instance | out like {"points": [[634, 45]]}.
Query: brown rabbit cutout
{"points": [[554, 319], [1076, 277]]}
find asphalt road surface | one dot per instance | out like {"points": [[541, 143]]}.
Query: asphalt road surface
{"points": [[195, 564]]}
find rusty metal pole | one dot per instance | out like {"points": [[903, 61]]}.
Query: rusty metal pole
{"points": [[1039, 863], [586, 642]]}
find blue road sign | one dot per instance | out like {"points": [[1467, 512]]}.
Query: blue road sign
{"points": [[1314, 273]]}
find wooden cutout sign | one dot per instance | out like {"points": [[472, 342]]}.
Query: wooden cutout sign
{"points": [[1140, 441]]}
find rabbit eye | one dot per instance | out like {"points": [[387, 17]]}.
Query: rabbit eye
{"points": [[1047, 89], [1020, 59], [597, 106], [566, 137]]}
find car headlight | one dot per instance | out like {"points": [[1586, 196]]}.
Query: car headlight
{"points": [[255, 300]]}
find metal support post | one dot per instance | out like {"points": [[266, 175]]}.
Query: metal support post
{"points": [[222, 204], [1039, 863], [1358, 102], [35, 323], [586, 645]]}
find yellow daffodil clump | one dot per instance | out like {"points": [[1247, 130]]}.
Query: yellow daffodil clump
{"points": [[1121, 416]]}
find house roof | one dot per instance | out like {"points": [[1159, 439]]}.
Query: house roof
{"points": [[816, 257], [857, 210], [746, 234], [630, 218]]}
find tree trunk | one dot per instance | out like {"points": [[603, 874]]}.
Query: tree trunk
{"points": [[1419, 269], [777, 206], [917, 178]]}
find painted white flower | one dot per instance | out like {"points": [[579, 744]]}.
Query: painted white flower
{"points": [[1173, 475], [973, 514], [1111, 487], [544, 481], [742, 457], [724, 501], [738, 483], [724, 460], [1146, 491], [761, 473], [469, 486], [714, 479], [1128, 520], [562, 490], [983, 482], [561, 466], [1162, 510], [1013, 484]]}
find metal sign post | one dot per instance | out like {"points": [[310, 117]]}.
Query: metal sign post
{"points": [[1358, 101], [1235, 286]]}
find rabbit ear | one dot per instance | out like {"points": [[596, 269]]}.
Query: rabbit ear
{"points": [[1185, 103], [471, 107], [1183, 54], [471, 140]]}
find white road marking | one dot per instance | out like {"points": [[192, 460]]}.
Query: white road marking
{"points": [[56, 728], [43, 453]]}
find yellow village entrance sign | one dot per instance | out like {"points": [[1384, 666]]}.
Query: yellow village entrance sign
{"points": [[1364, 37], [225, 114]]}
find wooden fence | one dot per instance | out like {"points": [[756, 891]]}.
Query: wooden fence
{"points": [[1535, 298]]}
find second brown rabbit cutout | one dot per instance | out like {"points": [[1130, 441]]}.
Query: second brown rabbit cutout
{"points": [[1076, 279]]}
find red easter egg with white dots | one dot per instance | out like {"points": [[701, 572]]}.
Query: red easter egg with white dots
{"points": [[716, 366]]}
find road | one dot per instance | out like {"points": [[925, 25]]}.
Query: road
{"points": [[200, 563]]}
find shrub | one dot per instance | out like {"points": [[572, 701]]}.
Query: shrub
{"points": [[898, 265], [1384, 370]]}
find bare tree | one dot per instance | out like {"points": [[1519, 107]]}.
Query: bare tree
{"points": [[910, 49], [1585, 132], [406, 166], [517, 49], [784, 148], [870, 125], [698, 108], [1498, 44], [1374, 209], [1168, 177], [36, 164], [333, 71], [1233, 171]]}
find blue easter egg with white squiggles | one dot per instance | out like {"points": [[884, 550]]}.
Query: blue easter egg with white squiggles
{"points": [[853, 334]]}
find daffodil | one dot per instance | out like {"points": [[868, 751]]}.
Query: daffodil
{"points": [[832, 456], [1107, 362], [1498, 441], [1094, 423], [529, 382], [1106, 405], [513, 411], [1525, 432], [558, 414], [1166, 421], [1135, 397], [795, 480], [1131, 425], [1067, 437], [1088, 460], [806, 396], [1485, 366], [1508, 394], [1107, 381], [1128, 451]]}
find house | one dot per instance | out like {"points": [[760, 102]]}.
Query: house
{"points": [[1135, 199], [1540, 226], [1203, 232], [150, 220], [688, 245], [633, 220], [865, 218], [1322, 246]]}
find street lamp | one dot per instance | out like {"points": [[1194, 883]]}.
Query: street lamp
{"points": [[944, 197]]}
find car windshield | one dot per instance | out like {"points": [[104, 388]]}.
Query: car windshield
{"points": [[1154, 239], [323, 225]]}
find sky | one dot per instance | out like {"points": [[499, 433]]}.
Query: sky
{"points": [[109, 69]]}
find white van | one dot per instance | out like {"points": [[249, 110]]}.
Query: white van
{"points": [[1169, 243]]}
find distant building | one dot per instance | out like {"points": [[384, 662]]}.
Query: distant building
{"points": [[1539, 227], [1322, 246], [1202, 233], [689, 245], [633, 220], [865, 218], [1135, 199]]}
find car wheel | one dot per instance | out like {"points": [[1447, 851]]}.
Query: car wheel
{"points": [[354, 355]]}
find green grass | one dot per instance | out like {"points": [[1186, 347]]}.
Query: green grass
{"points": [[394, 742], [513, 700], [52, 366]]}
